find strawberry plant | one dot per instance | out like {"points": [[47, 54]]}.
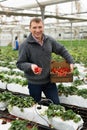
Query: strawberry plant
{"points": [[21, 125], [5, 96], [72, 90], [59, 111], [21, 102]]}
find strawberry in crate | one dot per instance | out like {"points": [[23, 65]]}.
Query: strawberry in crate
{"points": [[60, 72]]}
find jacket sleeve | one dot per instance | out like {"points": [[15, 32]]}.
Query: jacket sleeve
{"points": [[22, 62], [59, 49]]}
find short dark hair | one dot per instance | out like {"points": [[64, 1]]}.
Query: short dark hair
{"points": [[36, 19]]}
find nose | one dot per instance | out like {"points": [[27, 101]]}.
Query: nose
{"points": [[37, 29]]}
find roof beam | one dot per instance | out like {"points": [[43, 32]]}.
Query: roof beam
{"points": [[44, 3], [73, 19]]}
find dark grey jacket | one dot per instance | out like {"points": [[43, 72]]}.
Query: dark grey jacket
{"points": [[31, 51]]}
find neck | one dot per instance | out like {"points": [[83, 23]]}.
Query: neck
{"points": [[40, 40]]}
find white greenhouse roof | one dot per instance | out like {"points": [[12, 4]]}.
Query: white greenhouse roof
{"points": [[31, 3], [20, 11]]}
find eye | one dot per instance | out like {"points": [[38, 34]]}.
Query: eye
{"points": [[34, 27], [40, 27]]}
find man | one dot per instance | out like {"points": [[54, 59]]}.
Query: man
{"points": [[16, 43], [35, 58]]}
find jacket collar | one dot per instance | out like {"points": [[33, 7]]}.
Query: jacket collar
{"points": [[31, 39]]}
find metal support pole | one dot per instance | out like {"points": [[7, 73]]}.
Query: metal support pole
{"points": [[71, 34], [42, 11], [42, 8]]}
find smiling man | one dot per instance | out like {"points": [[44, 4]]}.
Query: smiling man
{"points": [[35, 58], [37, 28]]}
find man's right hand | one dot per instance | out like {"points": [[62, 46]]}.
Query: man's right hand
{"points": [[36, 69]]}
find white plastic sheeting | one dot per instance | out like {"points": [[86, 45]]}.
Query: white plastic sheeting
{"points": [[38, 115], [32, 4]]}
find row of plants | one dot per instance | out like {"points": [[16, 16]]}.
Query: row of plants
{"points": [[72, 90], [21, 125], [58, 110], [27, 102], [7, 79], [15, 100], [11, 72], [7, 64]]}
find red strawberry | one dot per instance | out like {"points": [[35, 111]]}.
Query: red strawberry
{"points": [[38, 69]]}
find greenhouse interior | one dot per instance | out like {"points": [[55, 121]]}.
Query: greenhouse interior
{"points": [[63, 44]]}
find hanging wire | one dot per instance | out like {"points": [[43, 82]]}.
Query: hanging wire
{"points": [[40, 107]]}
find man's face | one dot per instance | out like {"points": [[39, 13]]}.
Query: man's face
{"points": [[37, 29]]}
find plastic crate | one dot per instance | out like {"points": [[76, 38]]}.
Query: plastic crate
{"points": [[55, 78]]}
